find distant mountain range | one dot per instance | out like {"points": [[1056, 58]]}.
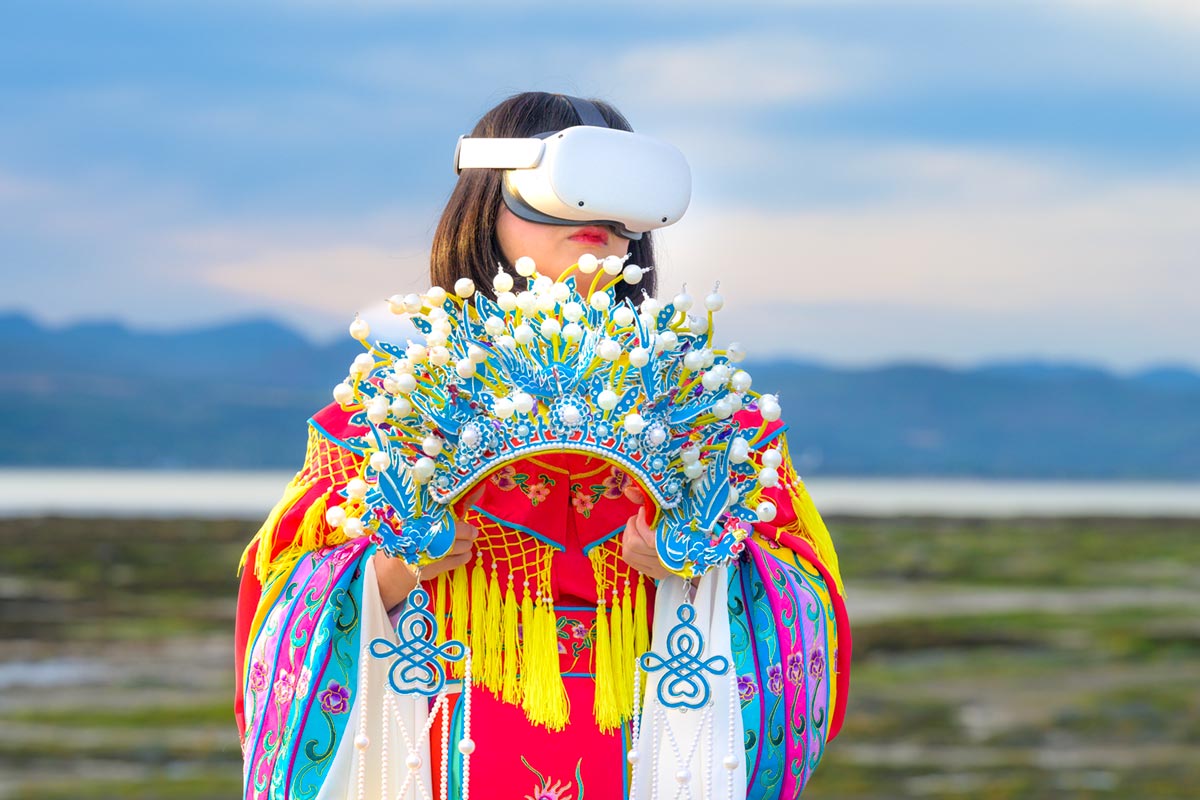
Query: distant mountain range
{"points": [[238, 395]]}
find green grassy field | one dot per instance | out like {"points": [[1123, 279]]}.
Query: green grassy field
{"points": [[1019, 658]]}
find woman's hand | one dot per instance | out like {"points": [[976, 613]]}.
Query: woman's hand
{"points": [[396, 578], [637, 543]]}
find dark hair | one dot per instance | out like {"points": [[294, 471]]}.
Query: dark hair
{"points": [[465, 244]]}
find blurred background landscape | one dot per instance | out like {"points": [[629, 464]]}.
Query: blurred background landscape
{"points": [[958, 239]]}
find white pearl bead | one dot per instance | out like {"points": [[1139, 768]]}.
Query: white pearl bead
{"points": [[436, 295], [722, 409], [377, 410], [504, 407], [731, 762], [523, 334], [343, 393], [464, 287], [657, 435], [439, 356], [401, 407], [650, 307], [571, 415], [739, 450], [380, 461], [572, 332], [613, 265], [413, 303], [359, 329], [572, 311], [551, 328], [683, 301], [735, 352], [639, 356], [465, 367], [667, 340], [545, 303], [527, 301], [356, 489], [690, 455], [600, 301], [524, 402], [476, 353], [588, 263], [353, 527], [609, 350], [633, 273], [494, 326], [432, 445], [740, 382], [423, 470], [607, 399], [413, 762], [683, 776], [633, 757], [335, 516], [693, 360], [396, 304], [766, 511], [769, 408], [542, 284], [502, 282], [525, 266], [623, 316], [406, 382], [363, 362], [507, 342], [466, 746], [416, 352], [506, 300], [772, 458], [714, 302], [694, 470], [560, 292], [634, 423], [768, 477], [697, 325], [362, 742], [402, 365]]}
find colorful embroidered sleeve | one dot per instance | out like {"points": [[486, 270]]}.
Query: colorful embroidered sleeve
{"points": [[294, 527], [790, 637]]}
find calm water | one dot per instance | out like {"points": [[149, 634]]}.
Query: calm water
{"points": [[251, 494]]}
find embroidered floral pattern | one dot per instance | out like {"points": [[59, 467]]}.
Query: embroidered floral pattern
{"points": [[795, 668], [775, 679], [747, 689], [285, 687], [302, 683], [258, 676], [816, 663], [335, 699], [576, 634], [537, 490], [545, 789], [611, 487]]}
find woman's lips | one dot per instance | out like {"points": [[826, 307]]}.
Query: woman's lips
{"points": [[590, 235]]}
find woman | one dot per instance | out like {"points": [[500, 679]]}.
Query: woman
{"points": [[552, 549]]}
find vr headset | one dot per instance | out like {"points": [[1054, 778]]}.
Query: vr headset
{"points": [[588, 174]]}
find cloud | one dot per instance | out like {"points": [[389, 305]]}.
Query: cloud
{"points": [[1081, 265], [746, 70]]}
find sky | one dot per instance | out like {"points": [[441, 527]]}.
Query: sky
{"points": [[946, 182]]}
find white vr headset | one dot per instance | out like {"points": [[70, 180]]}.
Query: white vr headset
{"points": [[588, 174]]}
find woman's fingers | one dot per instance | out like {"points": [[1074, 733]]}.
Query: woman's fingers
{"points": [[633, 493]]}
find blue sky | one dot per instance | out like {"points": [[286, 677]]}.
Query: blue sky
{"points": [[949, 182]]}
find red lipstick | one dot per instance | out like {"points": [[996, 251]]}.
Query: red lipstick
{"points": [[590, 235]]}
